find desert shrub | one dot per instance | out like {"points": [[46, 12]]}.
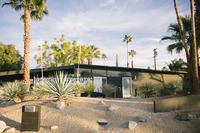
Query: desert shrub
{"points": [[108, 90], [79, 87], [89, 88], [14, 90], [171, 87], [39, 90], [60, 86], [148, 89]]}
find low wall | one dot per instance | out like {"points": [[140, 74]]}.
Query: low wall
{"points": [[177, 103]]}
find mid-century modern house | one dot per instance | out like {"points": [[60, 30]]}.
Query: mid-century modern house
{"points": [[126, 79]]}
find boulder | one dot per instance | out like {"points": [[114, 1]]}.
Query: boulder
{"points": [[112, 107], [183, 117], [143, 118], [10, 130], [60, 105], [2, 126], [102, 122], [54, 127], [102, 103], [131, 125]]}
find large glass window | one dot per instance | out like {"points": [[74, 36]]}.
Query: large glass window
{"points": [[83, 72], [100, 73], [118, 74]]}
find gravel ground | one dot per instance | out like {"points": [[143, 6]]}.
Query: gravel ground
{"points": [[82, 114]]}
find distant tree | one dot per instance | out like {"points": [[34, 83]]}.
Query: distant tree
{"points": [[165, 69], [104, 56], [93, 52], [132, 53], [10, 58], [149, 68], [84, 53], [117, 64], [177, 65], [127, 39], [34, 9]]}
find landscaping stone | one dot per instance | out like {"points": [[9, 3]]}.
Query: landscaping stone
{"points": [[102, 122], [183, 117], [1, 114], [54, 127], [102, 103], [112, 107], [143, 118], [2, 126], [131, 125], [10, 130], [60, 105]]}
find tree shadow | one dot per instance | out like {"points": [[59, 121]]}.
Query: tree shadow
{"points": [[11, 123]]}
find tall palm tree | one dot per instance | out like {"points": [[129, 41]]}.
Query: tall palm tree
{"points": [[93, 52], [132, 53], [197, 15], [104, 56], [127, 39], [191, 51], [34, 9]]}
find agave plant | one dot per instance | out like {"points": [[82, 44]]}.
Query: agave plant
{"points": [[39, 90], [60, 86], [13, 91]]}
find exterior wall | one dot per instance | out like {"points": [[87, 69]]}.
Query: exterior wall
{"points": [[158, 79]]}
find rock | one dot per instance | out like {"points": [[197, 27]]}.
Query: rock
{"points": [[102, 103], [102, 122], [2, 126], [131, 125], [54, 127], [1, 114], [60, 105], [112, 107], [183, 117], [10, 130], [143, 118]]}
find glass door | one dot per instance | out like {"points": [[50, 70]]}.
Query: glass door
{"points": [[126, 87]]}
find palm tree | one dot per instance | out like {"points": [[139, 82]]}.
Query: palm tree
{"points": [[132, 53], [178, 44], [191, 52], [104, 56], [127, 39], [84, 53], [93, 52], [197, 15], [34, 9]]}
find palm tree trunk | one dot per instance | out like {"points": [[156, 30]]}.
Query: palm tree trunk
{"points": [[127, 56], [90, 61], [27, 26], [132, 61], [195, 75], [83, 61], [185, 46]]}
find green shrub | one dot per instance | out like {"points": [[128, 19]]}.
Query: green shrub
{"points": [[89, 88], [147, 90], [79, 87], [108, 90], [14, 90], [60, 86], [172, 87]]}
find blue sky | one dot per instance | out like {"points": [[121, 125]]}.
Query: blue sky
{"points": [[103, 23]]}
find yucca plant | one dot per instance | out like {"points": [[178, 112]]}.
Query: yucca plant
{"points": [[14, 91], [40, 90], [172, 86], [60, 86], [148, 89], [89, 88]]}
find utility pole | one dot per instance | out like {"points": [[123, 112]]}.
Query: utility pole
{"points": [[155, 54], [41, 53]]}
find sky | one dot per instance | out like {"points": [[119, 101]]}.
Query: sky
{"points": [[103, 23]]}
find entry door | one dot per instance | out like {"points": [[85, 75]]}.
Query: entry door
{"points": [[126, 87], [98, 84]]}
